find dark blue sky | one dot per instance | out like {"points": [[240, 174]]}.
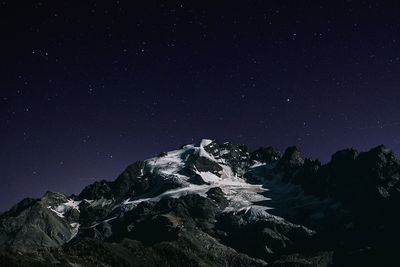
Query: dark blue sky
{"points": [[87, 88]]}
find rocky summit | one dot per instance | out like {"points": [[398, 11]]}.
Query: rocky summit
{"points": [[218, 204]]}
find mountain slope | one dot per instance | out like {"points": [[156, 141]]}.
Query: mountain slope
{"points": [[214, 204]]}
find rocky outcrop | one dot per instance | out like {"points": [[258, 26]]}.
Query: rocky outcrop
{"points": [[31, 224], [267, 155]]}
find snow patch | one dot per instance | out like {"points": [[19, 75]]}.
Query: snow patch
{"points": [[257, 164], [61, 209], [74, 230], [174, 193], [171, 163], [100, 202], [205, 142]]}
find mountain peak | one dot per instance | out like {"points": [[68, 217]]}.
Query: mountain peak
{"points": [[206, 142], [291, 158]]}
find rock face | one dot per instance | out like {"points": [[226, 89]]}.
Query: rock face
{"points": [[214, 204]]}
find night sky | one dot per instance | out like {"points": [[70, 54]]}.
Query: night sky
{"points": [[88, 87]]}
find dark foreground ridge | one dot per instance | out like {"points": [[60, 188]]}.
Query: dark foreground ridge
{"points": [[218, 204]]}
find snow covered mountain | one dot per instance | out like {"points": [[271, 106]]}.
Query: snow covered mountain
{"points": [[217, 204]]}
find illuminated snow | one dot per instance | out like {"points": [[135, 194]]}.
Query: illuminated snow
{"points": [[240, 194], [64, 207]]}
